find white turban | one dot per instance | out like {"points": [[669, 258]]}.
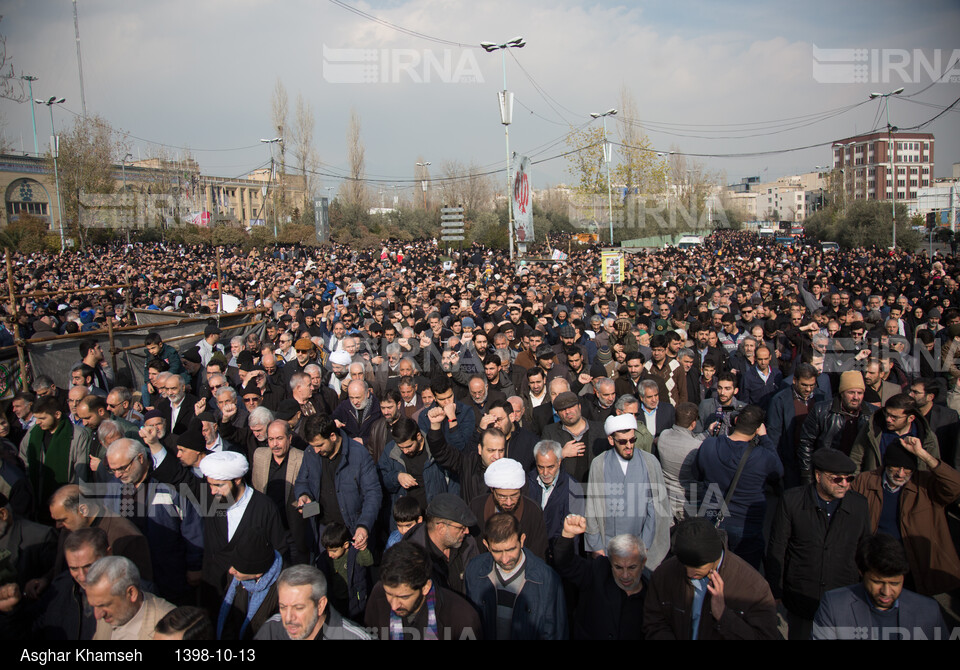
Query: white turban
{"points": [[224, 466], [505, 473], [341, 357], [615, 424]]}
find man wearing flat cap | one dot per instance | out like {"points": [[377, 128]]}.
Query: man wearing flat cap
{"points": [[704, 592], [507, 480], [239, 516], [814, 538], [445, 534], [626, 494]]}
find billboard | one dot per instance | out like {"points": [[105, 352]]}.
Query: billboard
{"points": [[522, 199]]}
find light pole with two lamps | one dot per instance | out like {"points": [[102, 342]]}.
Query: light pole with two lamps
{"points": [[607, 157], [890, 150], [55, 152]]}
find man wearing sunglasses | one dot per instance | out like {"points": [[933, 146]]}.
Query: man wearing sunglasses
{"points": [[814, 538], [626, 493]]}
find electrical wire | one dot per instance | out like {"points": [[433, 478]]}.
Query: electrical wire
{"points": [[394, 26]]}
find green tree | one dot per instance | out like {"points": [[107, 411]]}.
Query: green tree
{"points": [[586, 162], [864, 223]]}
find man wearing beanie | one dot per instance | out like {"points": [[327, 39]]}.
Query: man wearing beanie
{"points": [[626, 494], [909, 504], [834, 423], [899, 418], [704, 592], [814, 538], [251, 596], [506, 480]]}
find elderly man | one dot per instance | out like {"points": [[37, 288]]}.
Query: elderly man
{"points": [[358, 412], [612, 587], [506, 480], [123, 610], [626, 494], [909, 503], [788, 410], [704, 592], [243, 517], [171, 524], [553, 489], [814, 539], [178, 406], [305, 611], [597, 406], [274, 473], [518, 596]]}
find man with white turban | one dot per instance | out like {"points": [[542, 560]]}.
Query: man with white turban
{"points": [[236, 516], [626, 494], [506, 480]]}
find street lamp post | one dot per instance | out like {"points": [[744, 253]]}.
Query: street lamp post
{"points": [[123, 172], [890, 149], [607, 157], [424, 178], [275, 140], [29, 78], [506, 118], [55, 152]]}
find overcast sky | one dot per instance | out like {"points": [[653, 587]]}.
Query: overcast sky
{"points": [[200, 74]]}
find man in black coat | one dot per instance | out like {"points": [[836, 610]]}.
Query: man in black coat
{"points": [[813, 542]]}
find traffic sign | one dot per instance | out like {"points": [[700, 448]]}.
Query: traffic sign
{"points": [[452, 238]]}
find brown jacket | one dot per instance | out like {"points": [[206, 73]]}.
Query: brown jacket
{"points": [[934, 564], [750, 612], [294, 520]]}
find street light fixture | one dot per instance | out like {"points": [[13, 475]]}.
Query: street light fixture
{"points": [[55, 152], [29, 78], [607, 157], [890, 149], [506, 118]]}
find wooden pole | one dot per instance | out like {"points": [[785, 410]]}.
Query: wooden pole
{"points": [[219, 285], [126, 293], [21, 357], [113, 346], [66, 291]]}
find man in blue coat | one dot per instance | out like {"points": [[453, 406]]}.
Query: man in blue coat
{"points": [[407, 467], [761, 380], [879, 608], [717, 461], [785, 416], [519, 597], [339, 474]]}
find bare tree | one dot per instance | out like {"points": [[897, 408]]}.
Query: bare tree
{"points": [[640, 169], [355, 190], [279, 110], [465, 185], [302, 145], [11, 86]]}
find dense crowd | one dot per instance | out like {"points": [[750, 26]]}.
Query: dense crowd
{"points": [[738, 441]]}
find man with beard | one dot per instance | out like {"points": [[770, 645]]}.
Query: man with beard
{"points": [[834, 423], [390, 412], [597, 406], [406, 604], [718, 414], [240, 517], [305, 611], [178, 406], [274, 473], [340, 366], [519, 597], [580, 438], [506, 480], [618, 473], [306, 353], [358, 412]]}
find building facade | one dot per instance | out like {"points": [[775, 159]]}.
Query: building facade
{"points": [[865, 164]]}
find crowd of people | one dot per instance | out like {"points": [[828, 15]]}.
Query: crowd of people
{"points": [[737, 441]]}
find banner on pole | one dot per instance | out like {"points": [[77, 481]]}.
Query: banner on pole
{"points": [[522, 199], [611, 267]]}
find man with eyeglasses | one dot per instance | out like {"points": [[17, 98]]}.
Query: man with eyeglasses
{"points": [[622, 478], [446, 536], [898, 419], [814, 538], [173, 527], [507, 480]]}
